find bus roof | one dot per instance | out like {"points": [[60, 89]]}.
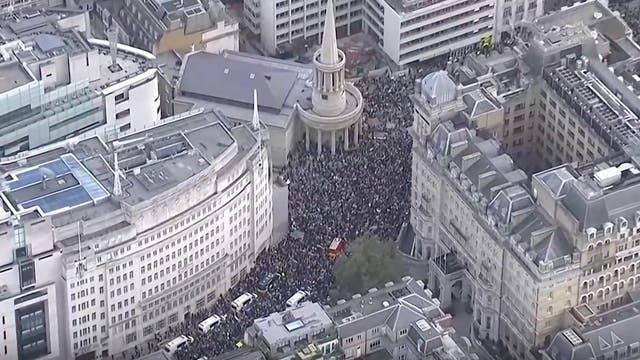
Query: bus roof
{"points": [[179, 340], [335, 243], [210, 320], [242, 298]]}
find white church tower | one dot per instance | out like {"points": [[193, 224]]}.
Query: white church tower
{"points": [[336, 105]]}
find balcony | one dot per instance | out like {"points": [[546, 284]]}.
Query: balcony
{"points": [[449, 263]]}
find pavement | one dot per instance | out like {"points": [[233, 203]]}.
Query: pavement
{"points": [[280, 205], [462, 322]]}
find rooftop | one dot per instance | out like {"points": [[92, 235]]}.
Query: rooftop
{"points": [[591, 202], [397, 305], [214, 76], [584, 20], [280, 85], [42, 35], [13, 75], [605, 333], [306, 319], [589, 83], [167, 15], [72, 175], [492, 184]]}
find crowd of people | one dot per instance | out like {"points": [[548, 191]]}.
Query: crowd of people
{"points": [[349, 194]]}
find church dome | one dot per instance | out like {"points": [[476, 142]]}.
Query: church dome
{"points": [[438, 88]]}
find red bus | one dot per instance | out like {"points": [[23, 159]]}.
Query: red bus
{"points": [[335, 248]]}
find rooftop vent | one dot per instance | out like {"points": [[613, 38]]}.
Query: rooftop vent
{"points": [[226, 70], [607, 177], [252, 76]]}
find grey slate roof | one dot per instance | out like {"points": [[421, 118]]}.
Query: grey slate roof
{"points": [[591, 205], [477, 104], [492, 177], [216, 76], [602, 335]]}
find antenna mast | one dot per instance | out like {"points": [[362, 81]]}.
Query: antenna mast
{"points": [[256, 118], [117, 185]]}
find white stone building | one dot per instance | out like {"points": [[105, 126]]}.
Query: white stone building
{"points": [[407, 30], [60, 84], [285, 21], [102, 262], [410, 31]]}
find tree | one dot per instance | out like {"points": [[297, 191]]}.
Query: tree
{"points": [[370, 262]]}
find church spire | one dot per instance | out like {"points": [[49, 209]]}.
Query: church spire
{"points": [[329, 50]]}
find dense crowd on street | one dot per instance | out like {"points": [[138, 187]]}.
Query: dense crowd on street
{"points": [[360, 191]]}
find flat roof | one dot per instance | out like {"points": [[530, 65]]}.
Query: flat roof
{"points": [[13, 75], [294, 322], [153, 161], [579, 13], [58, 185]]}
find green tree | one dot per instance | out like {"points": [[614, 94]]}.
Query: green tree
{"points": [[371, 262]]}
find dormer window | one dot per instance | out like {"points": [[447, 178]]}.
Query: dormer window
{"points": [[622, 224], [591, 233], [608, 228]]}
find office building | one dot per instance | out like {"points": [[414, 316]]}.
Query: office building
{"points": [[520, 252], [410, 31], [407, 31], [283, 23], [108, 243], [159, 26], [303, 327], [60, 84]]}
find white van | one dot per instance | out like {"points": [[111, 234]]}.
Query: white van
{"points": [[208, 323], [178, 343], [242, 301], [296, 298]]}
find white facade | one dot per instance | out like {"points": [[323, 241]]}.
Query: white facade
{"points": [[30, 292], [407, 31], [410, 32], [225, 36], [512, 12], [134, 264], [283, 21]]}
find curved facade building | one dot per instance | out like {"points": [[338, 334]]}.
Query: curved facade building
{"points": [[336, 111], [105, 257]]}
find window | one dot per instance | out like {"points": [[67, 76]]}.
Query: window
{"points": [[125, 127], [27, 274], [123, 114], [19, 241]]}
